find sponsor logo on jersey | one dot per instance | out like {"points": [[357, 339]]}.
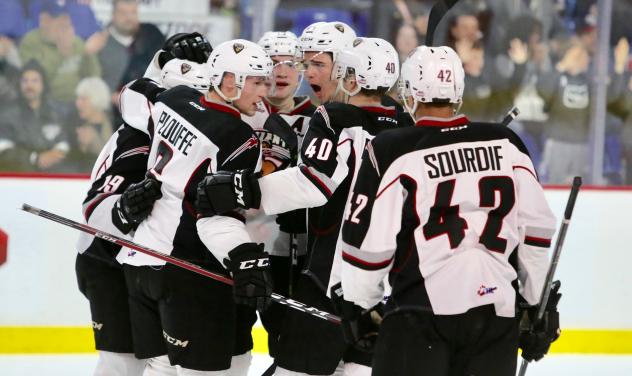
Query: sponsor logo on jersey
{"points": [[483, 290], [97, 325], [197, 106], [174, 341]]}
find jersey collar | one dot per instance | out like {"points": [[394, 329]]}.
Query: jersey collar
{"points": [[220, 107], [384, 110], [430, 121], [300, 105]]}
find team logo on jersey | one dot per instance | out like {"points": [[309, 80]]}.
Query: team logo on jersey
{"points": [[249, 144], [486, 290], [238, 47], [340, 27], [185, 68]]}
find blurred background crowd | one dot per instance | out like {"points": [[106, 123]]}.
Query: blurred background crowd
{"points": [[564, 63]]}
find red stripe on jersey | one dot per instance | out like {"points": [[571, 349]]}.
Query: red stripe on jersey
{"points": [[220, 107], [537, 242], [95, 201], [439, 122], [389, 111], [391, 183], [365, 264], [343, 141], [301, 107], [527, 169]]}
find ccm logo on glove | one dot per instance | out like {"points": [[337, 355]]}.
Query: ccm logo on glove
{"points": [[249, 264], [239, 189]]}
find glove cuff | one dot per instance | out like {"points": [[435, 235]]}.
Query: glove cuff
{"points": [[119, 219]]}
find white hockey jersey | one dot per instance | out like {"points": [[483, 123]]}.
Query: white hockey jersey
{"points": [[190, 138], [441, 208]]}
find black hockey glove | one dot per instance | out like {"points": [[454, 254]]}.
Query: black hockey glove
{"points": [[360, 328], [223, 191], [536, 337], [135, 204], [250, 267], [186, 46], [293, 222]]}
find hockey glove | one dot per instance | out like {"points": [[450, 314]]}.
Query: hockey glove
{"points": [[293, 222], [536, 337], [223, 191], [250, 267], [135, 204], [360, 328], [186, 46]]}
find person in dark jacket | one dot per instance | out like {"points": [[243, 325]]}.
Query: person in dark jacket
{"points": [[31, 137]]}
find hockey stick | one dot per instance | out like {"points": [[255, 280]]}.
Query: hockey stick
{"points": [[511, 115], [437, 12], [173, 260], [546, 289]]}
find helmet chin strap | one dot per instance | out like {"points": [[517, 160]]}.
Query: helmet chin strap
{"points": [[224, 97], [411, 111]]}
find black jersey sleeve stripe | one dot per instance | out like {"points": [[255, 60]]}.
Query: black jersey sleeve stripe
{"points": [[318, 183], [365, 265]]}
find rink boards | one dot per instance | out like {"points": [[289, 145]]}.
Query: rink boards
{"points": [[43, 312]]}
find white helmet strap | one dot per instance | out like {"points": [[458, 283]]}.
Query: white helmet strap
{"points": [[224, 97]]}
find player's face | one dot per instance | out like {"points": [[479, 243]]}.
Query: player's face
{"points": [[255, 89], [318, 67], [284, 77]]}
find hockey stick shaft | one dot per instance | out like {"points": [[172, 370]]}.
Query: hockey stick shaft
{"points": [[172, 260], [438, 11], [557, 251], [511, 115]]}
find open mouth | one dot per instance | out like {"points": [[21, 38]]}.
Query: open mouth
{"points": [[316, 88], [282, 84]]}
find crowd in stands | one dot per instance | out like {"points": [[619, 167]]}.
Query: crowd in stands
{"points": [[61, 71]]}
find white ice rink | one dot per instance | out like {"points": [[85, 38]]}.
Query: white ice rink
{"points": [[82, 365]]}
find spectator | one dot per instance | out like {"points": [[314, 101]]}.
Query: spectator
{"points": [[405, 41], [9, 71], [91, 120], [31, 137], [62, 54], [464, 32], [126, 46]]}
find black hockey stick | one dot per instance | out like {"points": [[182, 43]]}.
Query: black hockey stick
{"points": [[546, 289], [511, 115], [173, 260], [437, 12]]}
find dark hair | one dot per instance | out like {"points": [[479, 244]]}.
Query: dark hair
{"points": [[379, 92], [34, 65], [522, 27]]}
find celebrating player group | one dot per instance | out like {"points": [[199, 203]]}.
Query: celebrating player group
{"points": [[426, 232]]}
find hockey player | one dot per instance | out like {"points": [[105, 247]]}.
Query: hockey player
{"points": [[193, 134], [453, 212], [280, 125], [119, 198], [336, 136]]}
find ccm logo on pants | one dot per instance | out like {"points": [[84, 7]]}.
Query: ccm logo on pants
{"points": [[174, 341]]}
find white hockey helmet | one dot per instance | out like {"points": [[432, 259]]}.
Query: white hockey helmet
{"points": [[240, 57], [374, 62], [188, 73], [280, 43], [432, 75], [326, 37]]}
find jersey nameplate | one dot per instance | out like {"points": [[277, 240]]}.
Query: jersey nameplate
{"points": [[175, 132], [450, 162]]}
